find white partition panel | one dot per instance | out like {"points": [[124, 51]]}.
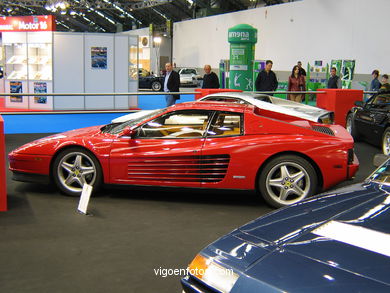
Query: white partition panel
{"points": [[68, 70], [133, 80], [121, 74], [99, 70]]}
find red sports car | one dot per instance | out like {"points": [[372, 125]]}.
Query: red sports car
{"points": [[198, 145]]}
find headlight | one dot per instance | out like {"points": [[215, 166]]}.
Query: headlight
{"points": [[327, 118], [213, 274]]}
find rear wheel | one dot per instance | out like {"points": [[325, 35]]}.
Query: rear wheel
{"points": [[286, 180], [73, 168], [386, 141], [350, 126], [156, 86]]}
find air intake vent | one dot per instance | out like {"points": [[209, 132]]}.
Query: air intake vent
{"points": [[200, 169], [323, 129]]}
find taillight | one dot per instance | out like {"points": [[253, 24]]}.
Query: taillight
{"points": [[350, 156]]}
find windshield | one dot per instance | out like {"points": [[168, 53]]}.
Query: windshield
{"points": [[382, 174], [188, 71], [115, 128]]}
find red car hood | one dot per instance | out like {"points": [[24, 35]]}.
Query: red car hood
{"points": [[48, 145]]}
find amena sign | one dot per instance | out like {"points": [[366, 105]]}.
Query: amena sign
{"points": [[36, 23]]}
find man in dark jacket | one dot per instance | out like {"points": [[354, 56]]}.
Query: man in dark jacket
{"points": [[334, 81], [266, 79], [171, 84], [210, 79]]}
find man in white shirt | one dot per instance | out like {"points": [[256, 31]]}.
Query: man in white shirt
{"points": [[171, 84]]}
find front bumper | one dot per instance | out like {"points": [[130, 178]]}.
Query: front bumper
{"points": [[29, 177], [192, 285]]}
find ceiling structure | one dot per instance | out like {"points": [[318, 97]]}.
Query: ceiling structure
{"points": [[123, 15]]}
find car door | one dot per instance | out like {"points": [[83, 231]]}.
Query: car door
{"points": [[223, 152], [165, 151], [370, 119]]}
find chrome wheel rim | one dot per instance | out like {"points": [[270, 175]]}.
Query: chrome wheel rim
{"points": [[156, 86], [288, 183], [74, 170], [386, 143]]}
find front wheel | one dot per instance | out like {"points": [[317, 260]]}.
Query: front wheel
{"points": [[287, 180], [73, 168], [386, 141]]}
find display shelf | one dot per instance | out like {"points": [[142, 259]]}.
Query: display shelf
{"points": [[40, 61], [16, 61], [20, 75]]}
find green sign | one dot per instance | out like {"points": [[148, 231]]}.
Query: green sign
{"points": [[242, 39]]}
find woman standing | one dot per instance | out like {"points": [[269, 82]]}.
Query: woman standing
{"points": [[296, 83]]}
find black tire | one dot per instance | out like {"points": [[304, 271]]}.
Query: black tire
{"points": [[350, 126], [386, 141], [156, 86], [73, 167], [293, 179]]}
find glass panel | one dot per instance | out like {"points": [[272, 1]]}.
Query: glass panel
{"points": [[39, 61], [188, 124], [226, 124], [16, 61]]}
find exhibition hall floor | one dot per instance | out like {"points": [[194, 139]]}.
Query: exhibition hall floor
{"points": [[128, 243]]}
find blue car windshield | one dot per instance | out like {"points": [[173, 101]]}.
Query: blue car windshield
{"points": [[382, 174]]}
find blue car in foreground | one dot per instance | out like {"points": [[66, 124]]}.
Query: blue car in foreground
{"points": [[335, 242]]}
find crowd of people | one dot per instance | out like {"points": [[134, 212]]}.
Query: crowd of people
{"points": [[266, 81]]}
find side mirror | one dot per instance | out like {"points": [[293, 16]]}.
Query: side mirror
{"points": [[359, 103], [127, 131], [379, 159]]}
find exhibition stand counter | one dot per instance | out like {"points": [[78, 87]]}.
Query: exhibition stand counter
{"points": [[340, 101], [3, 188]]}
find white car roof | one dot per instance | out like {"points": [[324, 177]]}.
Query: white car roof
{"points": [[274, 104]]}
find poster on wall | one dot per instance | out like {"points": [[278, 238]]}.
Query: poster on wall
{"points": [[15, 87], [99, 57], [40, 88]]}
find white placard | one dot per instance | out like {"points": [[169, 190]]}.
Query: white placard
{"points": [[84, 199]]}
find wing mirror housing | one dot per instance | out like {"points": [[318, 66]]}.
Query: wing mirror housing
{"points": [[127, 131], [359, 103]]}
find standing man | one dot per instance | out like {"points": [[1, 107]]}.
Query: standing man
{"points": [[266, 79], [301, 70], [385, 83], [334, 82], [375, 83], [210, 79], [171, 84]]}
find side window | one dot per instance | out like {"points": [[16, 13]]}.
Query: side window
{"points": [[183, 124], [226, 124]]}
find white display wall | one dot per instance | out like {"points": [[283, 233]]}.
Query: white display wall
{"points": [[304, 30], [69, 63], [75, 72]]}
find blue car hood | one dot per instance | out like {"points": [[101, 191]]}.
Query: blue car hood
{"points": [[330, 236]]}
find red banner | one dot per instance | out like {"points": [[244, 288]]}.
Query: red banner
{"points": [[35, 23]]}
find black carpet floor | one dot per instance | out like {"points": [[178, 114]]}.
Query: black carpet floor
{"points": [[46, 246]]}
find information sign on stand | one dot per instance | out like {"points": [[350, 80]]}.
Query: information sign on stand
{"points": [[84, 199]]}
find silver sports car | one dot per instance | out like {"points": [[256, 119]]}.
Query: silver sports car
{"points": [[261, 101]]}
